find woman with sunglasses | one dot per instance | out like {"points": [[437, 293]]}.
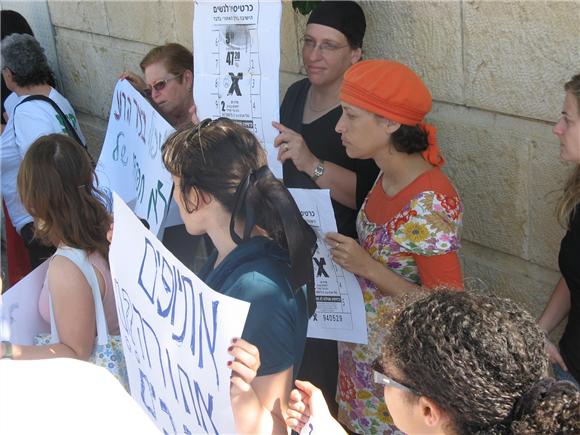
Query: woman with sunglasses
{"points": [[436, 378], [408, 227], [168, 71], [312, 154], [263, 253]]}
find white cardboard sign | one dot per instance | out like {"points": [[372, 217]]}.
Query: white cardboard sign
{"points": [[175, 332], [20, 319], [130, 162]]}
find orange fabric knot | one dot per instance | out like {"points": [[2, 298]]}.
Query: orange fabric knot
{"points": [[433, 153]]}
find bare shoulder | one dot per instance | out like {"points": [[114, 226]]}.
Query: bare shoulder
{"points": [[64, 275]]}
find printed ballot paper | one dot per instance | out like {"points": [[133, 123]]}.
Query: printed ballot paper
{"points": [[340, 310]]}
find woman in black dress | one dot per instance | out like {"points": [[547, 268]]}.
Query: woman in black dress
{"points": [[311, 150]]}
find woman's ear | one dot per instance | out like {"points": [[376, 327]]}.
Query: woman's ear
{"points": [[389, 126], [356, 55], [188, 78], [433, 415]]}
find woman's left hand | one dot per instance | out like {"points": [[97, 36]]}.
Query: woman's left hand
{"points": [[244, 366], [291, 146], [347, 253]]}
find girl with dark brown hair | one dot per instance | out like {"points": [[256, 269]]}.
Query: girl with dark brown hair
{"points": [[263, 254], [56, 186]]}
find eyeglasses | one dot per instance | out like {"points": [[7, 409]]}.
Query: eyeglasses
{"points": [[159, 85], [379, 377], [324, 47]]}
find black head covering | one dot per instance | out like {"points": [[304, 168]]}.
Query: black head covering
{"points": [[345, 16]]}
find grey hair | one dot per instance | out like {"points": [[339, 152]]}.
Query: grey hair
{"points": [[23, 55]]}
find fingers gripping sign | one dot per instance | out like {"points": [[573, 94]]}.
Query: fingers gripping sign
{"points": [[291, 145], [244, 366], [307, 408], [347, 253]]}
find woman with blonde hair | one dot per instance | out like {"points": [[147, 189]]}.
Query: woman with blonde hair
{"points": [[565, 299]]}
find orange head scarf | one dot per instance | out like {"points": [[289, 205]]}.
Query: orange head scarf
{"points": [[391, 90]]}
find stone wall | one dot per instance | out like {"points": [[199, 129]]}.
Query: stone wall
{"points": [[495, 69]]}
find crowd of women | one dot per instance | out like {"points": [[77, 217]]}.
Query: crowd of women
{"points": [[438, 360]]}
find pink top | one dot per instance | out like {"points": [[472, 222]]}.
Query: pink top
{"points": [[102, 266]]}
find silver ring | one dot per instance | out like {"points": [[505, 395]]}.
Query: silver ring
{"points": [[286, 147]]}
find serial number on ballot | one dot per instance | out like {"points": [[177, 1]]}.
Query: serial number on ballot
{"points": [[332, 317]]}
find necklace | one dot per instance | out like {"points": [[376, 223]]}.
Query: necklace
{"points": [[315, 110]]}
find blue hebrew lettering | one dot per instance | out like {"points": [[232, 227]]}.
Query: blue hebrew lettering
{"points": [[165, 409], [210, 341], [152, 263], [147, 394]]}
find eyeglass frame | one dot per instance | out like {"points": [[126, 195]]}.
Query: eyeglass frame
{"points": [[379, 377], [159, 85], [324, 47]]}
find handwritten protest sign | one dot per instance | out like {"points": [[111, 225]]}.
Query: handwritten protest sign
{"points": [[20, 320], [340, 310], [237, 62], [175, 332], [130, 162]]}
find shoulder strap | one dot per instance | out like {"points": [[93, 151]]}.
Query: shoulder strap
{"points": [[81, 260], [70, 129]]}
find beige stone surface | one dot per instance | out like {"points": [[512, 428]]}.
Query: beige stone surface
{"points": [[86, 16], [424, 35], [152, 22], [91, 65], [519, 53], [74, 71], [290, 49], [183, 11], [507, 276], [494, 191]]}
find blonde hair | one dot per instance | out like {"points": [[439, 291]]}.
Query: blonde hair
{"points": [[571, 196]]}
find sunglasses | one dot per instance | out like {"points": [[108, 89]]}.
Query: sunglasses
{"points": [[159, 85], [379, 377]]}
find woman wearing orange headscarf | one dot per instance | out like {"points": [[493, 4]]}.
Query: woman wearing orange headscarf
{"points": [[408, 227]]}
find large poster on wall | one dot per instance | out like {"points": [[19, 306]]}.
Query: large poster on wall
{"points": [[175, 331], [236, 62]]}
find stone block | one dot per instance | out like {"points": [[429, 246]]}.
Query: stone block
{"points": [[184, 23], [526, 284], [74, 71], [547, 178], [152, 22], [518, 55], [291, 30], [424, 35], [94, 129], [85, 16], [489, 167], [91, 65]]}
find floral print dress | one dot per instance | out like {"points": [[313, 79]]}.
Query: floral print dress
{"points": [[428, 225]]}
